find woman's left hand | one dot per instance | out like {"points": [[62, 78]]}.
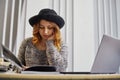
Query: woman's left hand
{"points": [[51, 37]]}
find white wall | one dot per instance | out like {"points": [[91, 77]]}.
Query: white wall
{"points": [[83, 35]]}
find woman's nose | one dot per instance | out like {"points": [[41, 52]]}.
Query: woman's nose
{"points": [[46, 31]]}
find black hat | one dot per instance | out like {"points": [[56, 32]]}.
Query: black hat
{"points": [[47, 14]]}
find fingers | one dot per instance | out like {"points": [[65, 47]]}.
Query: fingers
{"points": [[51, 37], [25, 67]]}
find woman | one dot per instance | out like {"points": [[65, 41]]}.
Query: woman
{"points": [[45, 47]]}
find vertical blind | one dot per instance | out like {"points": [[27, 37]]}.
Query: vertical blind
{"points": [[12, 23], [107, 19]]}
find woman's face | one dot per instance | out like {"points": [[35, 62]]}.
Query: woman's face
{"points": [[46, 29]]}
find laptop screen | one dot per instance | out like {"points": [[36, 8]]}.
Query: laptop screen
{"points": [[107, 59]]}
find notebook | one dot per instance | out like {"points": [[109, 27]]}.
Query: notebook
{"points": [[107, 59], [8, 55]]}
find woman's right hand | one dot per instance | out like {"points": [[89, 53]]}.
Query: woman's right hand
{"points": [[24, 67]]}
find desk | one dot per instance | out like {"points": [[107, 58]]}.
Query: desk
{"points": [[14, 76]]}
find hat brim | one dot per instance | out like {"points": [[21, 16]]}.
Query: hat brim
{"points": [[53, 18]]}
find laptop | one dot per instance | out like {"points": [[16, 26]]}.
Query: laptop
{"points": [[107, 59]]}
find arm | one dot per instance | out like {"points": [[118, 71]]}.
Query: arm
{"points": [[57, 58], [21, 53], [21, 56]]}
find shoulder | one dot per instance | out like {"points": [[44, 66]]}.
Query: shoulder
{"points": [[27, 41]]}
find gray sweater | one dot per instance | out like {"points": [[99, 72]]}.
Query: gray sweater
{"points": [[29, 55]]}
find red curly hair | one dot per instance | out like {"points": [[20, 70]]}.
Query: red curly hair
{"points": [[37, 37]]}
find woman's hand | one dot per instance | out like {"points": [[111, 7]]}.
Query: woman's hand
{"points": [[25, 67], [51, 37]]}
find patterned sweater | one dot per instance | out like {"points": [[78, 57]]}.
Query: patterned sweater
{"points": [[29, 55]]}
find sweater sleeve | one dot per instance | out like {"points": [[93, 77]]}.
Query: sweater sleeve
{"points": [[21, 56], [57, 58]]}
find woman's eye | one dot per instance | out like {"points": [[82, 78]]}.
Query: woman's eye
{"points": [[50, 27], [41, 27]]}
